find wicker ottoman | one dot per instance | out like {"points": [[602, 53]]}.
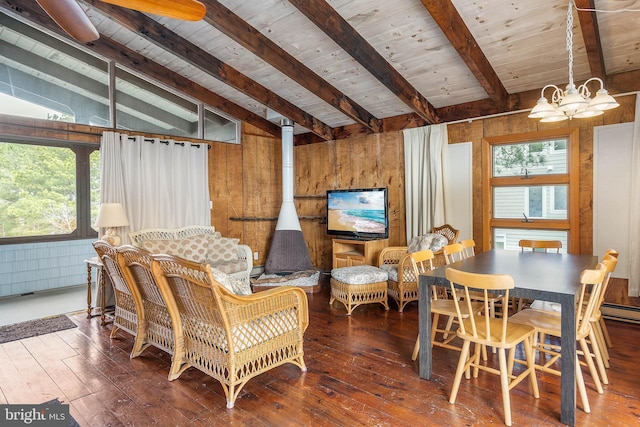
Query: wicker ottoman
{"points": [[363, 284]]}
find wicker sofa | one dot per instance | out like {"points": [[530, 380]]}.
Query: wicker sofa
{"points": [[201, 244]]}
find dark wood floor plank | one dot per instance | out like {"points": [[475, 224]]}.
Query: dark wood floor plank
{"points": [[360, 373]]}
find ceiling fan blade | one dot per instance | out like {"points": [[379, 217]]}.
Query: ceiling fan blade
{"points": [[188, 10], [71, 17]]}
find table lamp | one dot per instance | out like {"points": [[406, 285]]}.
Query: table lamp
{"points": [[110, 216]]}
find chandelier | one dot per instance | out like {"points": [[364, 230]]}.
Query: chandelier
{"points": [[572, 102]]}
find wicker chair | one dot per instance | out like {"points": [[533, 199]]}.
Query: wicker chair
{"points": [[402, 283], [229, 337], [153, 316], [127, 299], [447, 231]]}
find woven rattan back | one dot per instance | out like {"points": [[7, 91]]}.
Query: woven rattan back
{"points": [[447, 231], [127, 299], [136, 267]]}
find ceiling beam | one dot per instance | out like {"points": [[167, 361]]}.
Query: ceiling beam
{"points": [[591, 36], [625, 82], [454, 28], [339, 30], [154, 32], [112, 50], [251, 39]]}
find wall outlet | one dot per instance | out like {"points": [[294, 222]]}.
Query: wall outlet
{"points": [[255, 256]]}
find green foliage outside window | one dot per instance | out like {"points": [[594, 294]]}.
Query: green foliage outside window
{"points": [[38, 189]]}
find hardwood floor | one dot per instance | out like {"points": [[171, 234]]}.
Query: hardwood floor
{"points": [[359, 373]]}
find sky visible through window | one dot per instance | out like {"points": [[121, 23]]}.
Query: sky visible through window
{"points": [[19, 107]]}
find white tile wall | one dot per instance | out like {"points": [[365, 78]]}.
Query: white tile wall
{"points": [[34, 267]]}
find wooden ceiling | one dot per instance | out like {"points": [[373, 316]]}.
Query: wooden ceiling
{"points": [[340, 68]]}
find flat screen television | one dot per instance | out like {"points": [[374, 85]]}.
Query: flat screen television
{"points": [[361, 213]]}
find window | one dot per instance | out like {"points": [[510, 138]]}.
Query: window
{"points": [[530, 188], [47, 191], [45, 78]]}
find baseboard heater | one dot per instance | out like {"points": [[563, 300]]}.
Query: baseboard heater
{"points": [[623, 313]]}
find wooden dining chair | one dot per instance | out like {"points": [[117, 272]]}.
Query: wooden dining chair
{"points": [[603, 326], [421, 262], [610, 261], [484, 330], [463, 250], [540, 245], [468, 248], [536, 246], [549, 324]]}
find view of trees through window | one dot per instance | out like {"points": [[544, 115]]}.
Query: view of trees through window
{"points": [[42, 187]]}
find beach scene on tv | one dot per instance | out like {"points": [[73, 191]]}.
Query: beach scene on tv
{"points": [[362, 212]]}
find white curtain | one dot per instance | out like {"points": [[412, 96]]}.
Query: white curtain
{"points": [[425, 151], [160, 183], [634, 214]]}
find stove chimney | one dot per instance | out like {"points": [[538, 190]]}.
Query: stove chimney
{"points": [[288, 252]]}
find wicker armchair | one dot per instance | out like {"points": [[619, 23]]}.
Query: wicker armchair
{"points": [[153, 316], [447, 231], [229, 337], [127, 299], [402, 283]]}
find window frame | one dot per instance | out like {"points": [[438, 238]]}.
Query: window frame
{"points": [[84, 229], [571, 179]]}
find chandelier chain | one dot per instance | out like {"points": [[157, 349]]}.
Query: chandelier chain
{"points": [[570, 40]]}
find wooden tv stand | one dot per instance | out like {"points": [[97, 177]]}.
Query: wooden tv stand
{"points": [[350, 252]]}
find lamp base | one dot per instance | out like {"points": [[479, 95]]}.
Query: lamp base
{"points": [[111, 237]]}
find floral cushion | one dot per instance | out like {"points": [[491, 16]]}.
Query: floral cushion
{"points": [[232, 284], [392, 271], [222, 249], [435, 242], [169, 247], [230, 267], [192, 248], [359, 275]]}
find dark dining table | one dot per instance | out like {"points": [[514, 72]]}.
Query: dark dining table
{"points": [[543, 276]]}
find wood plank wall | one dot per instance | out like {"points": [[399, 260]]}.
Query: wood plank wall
{"points": [[246, 179], [475, 130], [365, 161]]}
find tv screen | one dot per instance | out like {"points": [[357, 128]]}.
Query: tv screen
{"points": [[358, 213]]}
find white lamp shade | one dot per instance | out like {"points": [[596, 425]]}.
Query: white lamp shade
{"points": [[603, 101], [112, 215], [542, 109]]}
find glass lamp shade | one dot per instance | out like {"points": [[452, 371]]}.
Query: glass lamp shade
{"points": [[588, 112], [542, 109], [603, 101], [572, 101], [558, 116]]}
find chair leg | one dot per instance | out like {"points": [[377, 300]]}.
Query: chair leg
{"points": [[531, 364], [598, 356], [592, 367], [605, 332], [504, 385], [581, 388], [416, 349], [602, 344], [464, 354]]}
